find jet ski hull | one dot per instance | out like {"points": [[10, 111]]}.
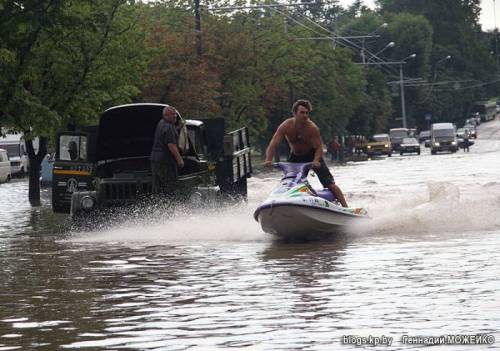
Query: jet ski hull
{"points": [[296, 211], [302, 222]]}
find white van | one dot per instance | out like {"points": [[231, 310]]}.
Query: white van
{"points": [[443, 138], [16, 149], [5, 174], [19, 160]]}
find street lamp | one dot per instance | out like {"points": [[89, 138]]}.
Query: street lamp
{"points": [[369, 35], [403, 107], [389, 45], [383, 25], [436, 66]]}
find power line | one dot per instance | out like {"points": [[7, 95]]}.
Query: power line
{"points": [[472, 86], [299, 23], [226, 8]]}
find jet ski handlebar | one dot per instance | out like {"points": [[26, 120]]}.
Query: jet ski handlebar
{"points": [[294, 170]]}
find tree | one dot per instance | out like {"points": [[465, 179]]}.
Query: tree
{"points": [[456, 32], [62, 63], [413, 35], [372, 115], [250, 72]]}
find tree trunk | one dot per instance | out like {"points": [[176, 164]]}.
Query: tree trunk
{"points": [[34, 169], [34, 183]]}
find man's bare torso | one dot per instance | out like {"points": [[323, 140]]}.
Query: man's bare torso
{"points": [[302, 137]]}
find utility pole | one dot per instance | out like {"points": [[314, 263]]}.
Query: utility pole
{"points": [[401, 82], [199, 47], [363, 60], [496, 36], [402, 89]]}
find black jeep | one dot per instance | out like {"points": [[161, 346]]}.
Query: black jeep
{"points": [[108, 165]]}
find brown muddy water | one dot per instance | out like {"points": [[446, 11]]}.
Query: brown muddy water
{"points": [[426, 265]]}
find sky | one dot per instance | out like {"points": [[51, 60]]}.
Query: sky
{"points": [[487, 19]]}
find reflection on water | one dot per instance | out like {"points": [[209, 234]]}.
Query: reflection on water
{"points": [[426, 265], [267, 295]]}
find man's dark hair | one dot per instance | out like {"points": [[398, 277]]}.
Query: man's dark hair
{"points": [[302, 102]]}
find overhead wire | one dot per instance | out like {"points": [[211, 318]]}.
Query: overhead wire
{"points": [[472, 86], [345, 41]]}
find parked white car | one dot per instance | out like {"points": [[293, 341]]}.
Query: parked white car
{"points": [[19, 161], [5, 173], [16, 149]]}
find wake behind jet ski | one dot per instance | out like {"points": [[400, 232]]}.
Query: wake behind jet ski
{"points": [[294, 210]]}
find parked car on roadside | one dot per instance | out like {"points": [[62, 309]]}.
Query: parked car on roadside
{"points": [[472, 130], [471, 121], [16, 149], [379, 144], [409, 145], [424, 135], [5, 172]]}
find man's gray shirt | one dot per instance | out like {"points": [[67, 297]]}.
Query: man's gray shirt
{"points": [[165, 134]]}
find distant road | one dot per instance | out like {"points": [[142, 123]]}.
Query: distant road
{"points": [[489, 130]]}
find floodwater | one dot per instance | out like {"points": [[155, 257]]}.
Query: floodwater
{"points": [[426, 265]]}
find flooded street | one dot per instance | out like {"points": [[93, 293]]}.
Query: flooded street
{"points": [[426, 265]]}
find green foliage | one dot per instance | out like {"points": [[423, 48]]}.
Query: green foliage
{"points": [[412, 35], [456, 32], [252, 72], [372, 115], [64, 61]]}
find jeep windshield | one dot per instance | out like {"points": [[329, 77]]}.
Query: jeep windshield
{"points": [[13, 150]]}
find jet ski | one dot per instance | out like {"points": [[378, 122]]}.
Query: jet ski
{"points": [[295, 210]]}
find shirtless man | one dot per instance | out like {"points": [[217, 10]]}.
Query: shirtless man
{"points": [[306, 145]]}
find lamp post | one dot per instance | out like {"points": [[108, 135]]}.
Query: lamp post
{"points": [[436, 66], [389, 45], [496, 35], [369, 35], [402, 89]]}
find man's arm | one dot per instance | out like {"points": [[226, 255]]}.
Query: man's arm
{"points": [[317, 144], [170, 138], [275, 141], [175, 151]]}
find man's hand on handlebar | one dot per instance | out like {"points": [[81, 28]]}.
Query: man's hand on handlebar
{"points": [[315, 164]]}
